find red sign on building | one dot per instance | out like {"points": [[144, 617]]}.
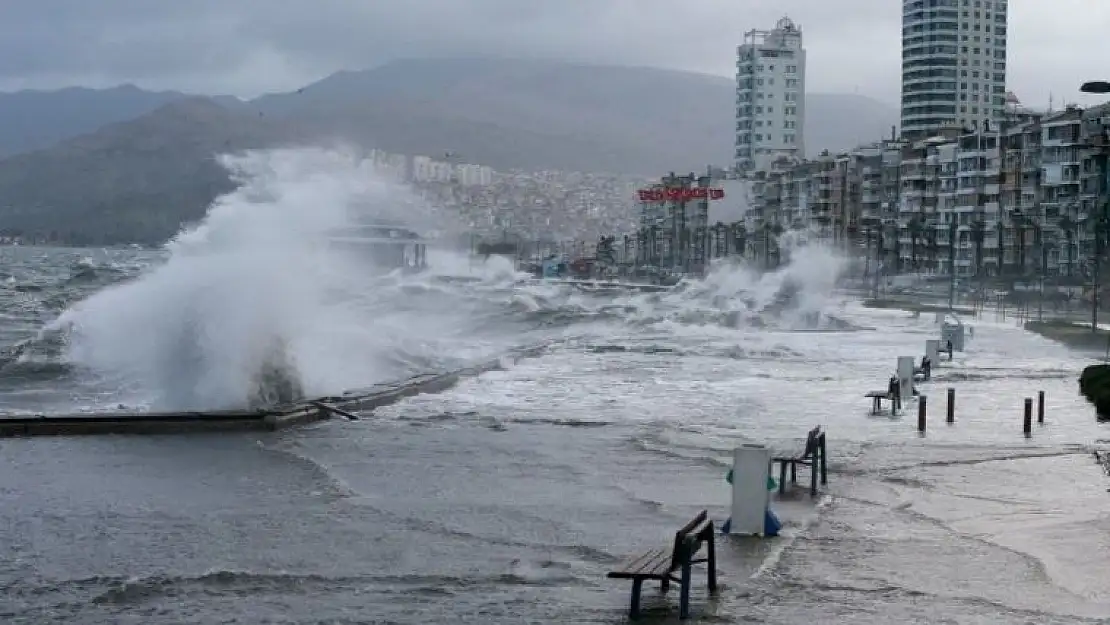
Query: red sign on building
{"points": [[679, 195]]}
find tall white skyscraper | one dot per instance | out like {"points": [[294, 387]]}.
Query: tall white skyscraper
{"points": [[770, 96], [953, 64]]}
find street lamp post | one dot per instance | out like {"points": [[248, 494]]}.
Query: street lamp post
{"points": [[952, 226], [1098, 86]]}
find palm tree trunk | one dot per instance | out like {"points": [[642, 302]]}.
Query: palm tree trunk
{"points": [[1071, 252]]}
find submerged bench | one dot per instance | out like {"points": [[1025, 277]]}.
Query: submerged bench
{"points": [[661, 564], [877, 398], [813, 456]]}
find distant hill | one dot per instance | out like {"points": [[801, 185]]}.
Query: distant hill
{"points": [[137, 180], [32, 120], [134, 181], [545, 114]]}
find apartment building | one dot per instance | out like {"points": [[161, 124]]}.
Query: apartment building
{"points": [[427, 169], [953, 65], [1020, 199], [770, 96]]}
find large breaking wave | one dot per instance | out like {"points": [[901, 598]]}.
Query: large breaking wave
{"points": [[250, 306]]}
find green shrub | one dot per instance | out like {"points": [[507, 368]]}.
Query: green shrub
{"points": [[1094, 384]]}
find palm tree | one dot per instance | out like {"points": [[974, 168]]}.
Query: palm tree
{"points": [[739, 238], [916, 227], [1020, 225], [777, 231], [767, 228], [653, 243], [978, 233], [1001, 228], [879, 244], [1068, 226], [892, 230], [931, 246]]}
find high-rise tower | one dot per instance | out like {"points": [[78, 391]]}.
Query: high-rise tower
{"points": [[953, 64], [770, 96]]}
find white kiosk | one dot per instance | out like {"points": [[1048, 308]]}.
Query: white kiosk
{"points": [[952, 330], [905, 377], [751, 466], [932, 351]]}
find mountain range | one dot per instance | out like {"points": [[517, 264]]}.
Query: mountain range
{"points": [[124, 164]]}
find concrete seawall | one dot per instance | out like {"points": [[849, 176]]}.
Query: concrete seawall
{"points": [[261, 420]]}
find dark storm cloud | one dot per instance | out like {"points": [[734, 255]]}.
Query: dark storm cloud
{"points": [[250, 46]]}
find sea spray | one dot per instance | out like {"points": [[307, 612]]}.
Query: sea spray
{"points": [[743, 295], [251, 305]]}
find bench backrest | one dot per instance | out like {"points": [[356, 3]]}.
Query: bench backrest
{"points": [[813, 443], [688, 540]]}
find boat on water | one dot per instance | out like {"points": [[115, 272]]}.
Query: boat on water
{"points": [[387, 246]]}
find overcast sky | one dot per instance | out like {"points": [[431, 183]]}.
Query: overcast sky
{"points": [[246, 47]]}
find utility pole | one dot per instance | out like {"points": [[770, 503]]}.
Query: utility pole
{"points": [[1094, 272], [952, 264], [1099, 86], [880, 246], [1044, 270], [1100, 232]]}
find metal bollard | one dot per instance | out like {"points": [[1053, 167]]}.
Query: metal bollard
{"points": [[951, 405], [1027, 421], [921, 401], [1040, 407]]}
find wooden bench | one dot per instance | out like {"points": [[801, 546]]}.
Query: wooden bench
{"points": [[812, 456], [661, 564], [925, 371], [877, 398]]}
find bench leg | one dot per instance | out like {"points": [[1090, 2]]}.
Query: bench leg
{"points": [[664, 586], [634, 610], [814, 469], [782, 477], [684, 595], [711, 559], [824, 465], [793, 472]]}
